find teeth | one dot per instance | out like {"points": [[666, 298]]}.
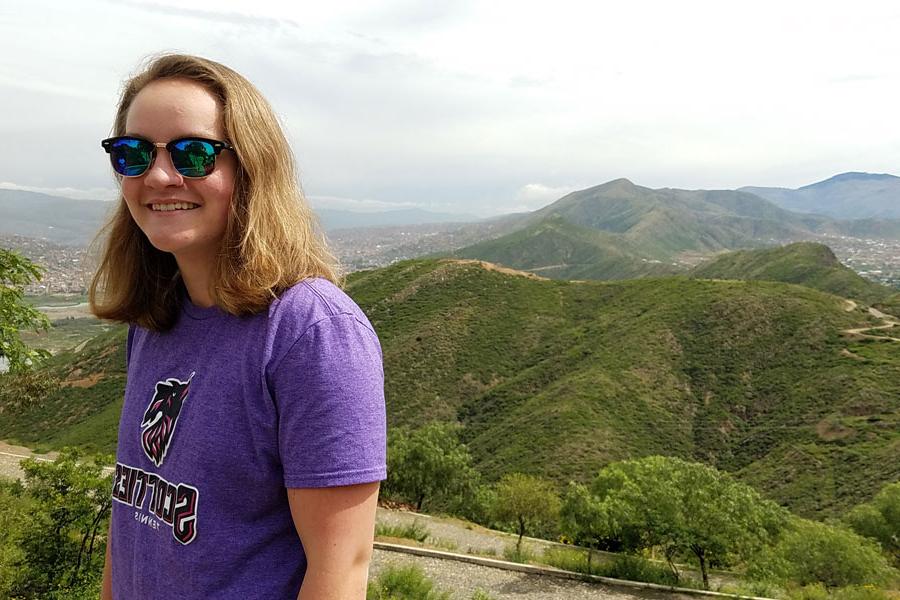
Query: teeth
{"points": [[174, 206]]}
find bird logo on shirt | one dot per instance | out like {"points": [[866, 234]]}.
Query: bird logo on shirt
{"points": [[161, 416]]}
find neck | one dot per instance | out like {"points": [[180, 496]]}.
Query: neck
{"points": [[196, 276]]}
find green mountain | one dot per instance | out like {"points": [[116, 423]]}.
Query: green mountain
{"points": [[804, 263], [558, 378], [667, 221], [557, 249], [619, 230]]}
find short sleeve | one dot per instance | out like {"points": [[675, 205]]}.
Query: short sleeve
{"points": [[329, 395]]}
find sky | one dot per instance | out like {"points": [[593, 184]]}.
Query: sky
{"points": [[482, 107]]}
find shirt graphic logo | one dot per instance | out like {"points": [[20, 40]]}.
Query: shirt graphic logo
{"points": [[161, 417]]}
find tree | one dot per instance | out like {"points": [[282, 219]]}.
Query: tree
{"points": [[524, 501], [61, 541], [880, 520], [681, 507], [809, 552], [582, 520], [428, 463], [16, 272]]}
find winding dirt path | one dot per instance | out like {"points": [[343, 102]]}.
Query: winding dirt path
{"points": [[888, 322]]}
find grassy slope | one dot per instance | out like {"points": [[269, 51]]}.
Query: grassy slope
{"points": [[84, 411], [558, 249], [559, 378], [619, 231], [804, 263]]}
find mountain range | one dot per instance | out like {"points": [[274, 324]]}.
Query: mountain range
{"points": [[659, 222], [846, 196], [620, 230]]}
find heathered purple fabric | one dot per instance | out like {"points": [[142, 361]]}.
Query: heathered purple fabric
{"points": [[221, 414]]}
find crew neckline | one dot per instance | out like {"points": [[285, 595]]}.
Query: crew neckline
{"points": [[199, 312]]}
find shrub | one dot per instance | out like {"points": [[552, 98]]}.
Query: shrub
{"points": [[412, 531], [403, 583], [517, 554], [634, 568], [880, 519], [812, 552]]}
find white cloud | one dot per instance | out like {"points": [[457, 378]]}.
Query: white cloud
{"points": [[456, 104]]}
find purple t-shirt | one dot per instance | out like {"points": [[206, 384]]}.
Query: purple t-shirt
{"points": [[221, 415]]}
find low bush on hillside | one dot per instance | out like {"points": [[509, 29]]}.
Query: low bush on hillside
{"points": [[409, 583], [815, 553], [517, 554], [880, 520], [403, 583], [817, 591], [410, 531], [635, 568]]}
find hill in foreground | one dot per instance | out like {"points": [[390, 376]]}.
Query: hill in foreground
{"points": [[559, 378]]}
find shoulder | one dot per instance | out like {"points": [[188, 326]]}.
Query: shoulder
{"points": [[308, 307], [310, 301]]}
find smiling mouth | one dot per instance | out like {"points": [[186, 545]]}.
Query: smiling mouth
{"points": [[174, 206]]}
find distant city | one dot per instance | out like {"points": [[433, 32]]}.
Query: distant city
{"points": [[69, 268]]}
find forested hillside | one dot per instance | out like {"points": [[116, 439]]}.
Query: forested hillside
{"points": [[559, 378]]}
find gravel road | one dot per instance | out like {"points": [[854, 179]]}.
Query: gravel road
{"points": [[464, 579]]}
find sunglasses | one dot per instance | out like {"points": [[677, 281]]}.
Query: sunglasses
{"points": [[193, 157]]}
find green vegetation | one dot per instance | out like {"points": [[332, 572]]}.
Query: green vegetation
{"points": [[53, 537], [620, 230], [880, 520], [557, 249], [428, 463], [558, 379], [412, 531], [409, 583], [80, 402], [16, 315], [804, 263], [517, 553], [526, 502], [679, 507], [810, 553]]}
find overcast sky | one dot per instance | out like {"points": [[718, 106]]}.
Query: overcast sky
{"points": [[479, 107]]}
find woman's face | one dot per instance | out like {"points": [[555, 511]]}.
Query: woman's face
{"points": [[165, 110]]}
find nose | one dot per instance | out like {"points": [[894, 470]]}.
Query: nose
{"points": [[162, 171]]}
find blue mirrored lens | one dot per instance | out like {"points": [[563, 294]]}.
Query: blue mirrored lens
{"points": [[193, 158], [131, 157]]}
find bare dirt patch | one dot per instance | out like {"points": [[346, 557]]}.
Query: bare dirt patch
{"points": [[830, 431], [84, 382], [488, 266]]}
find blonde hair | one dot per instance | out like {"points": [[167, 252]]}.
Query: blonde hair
{"points": [[271, 240]]}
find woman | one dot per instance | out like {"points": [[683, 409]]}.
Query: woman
{"points": [[252, 436]]}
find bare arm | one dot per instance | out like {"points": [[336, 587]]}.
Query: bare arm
{"points": [[336, 526], [106, 587]]}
